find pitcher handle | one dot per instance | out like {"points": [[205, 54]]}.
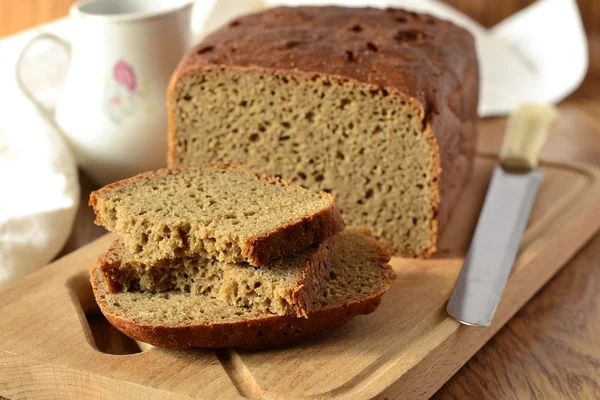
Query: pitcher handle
{"points": [[44, 111]]}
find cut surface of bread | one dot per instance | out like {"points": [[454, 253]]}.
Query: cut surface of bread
{"points": [[359, 277], [214, 211], [286, 285], [378, 107]]}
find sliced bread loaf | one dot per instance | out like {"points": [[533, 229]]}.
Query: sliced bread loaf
{"points": [[214, 211], [283, 286], [359, 277], [379, 107]]}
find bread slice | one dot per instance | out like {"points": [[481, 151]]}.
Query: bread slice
{"points": [[378, 107], [283, 286], [214, 211], [359, 277]]}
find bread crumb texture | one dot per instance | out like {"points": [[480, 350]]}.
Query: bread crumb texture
{"points": [[359, 272], [283, 286]]}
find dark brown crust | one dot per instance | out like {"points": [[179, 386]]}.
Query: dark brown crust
{"points": [[108, 269], [269, 332], [427, 61], [287, 239], [295, 236], [316, 265]]}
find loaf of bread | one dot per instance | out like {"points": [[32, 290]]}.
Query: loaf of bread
{"points": [[359, 277], [286, 285], [377, 107], [214, 211]]}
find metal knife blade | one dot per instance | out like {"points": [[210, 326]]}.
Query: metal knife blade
{"points": [[506, 209], [494, 246]]}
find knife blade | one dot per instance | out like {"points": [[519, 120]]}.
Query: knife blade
{"points": [[503, 218]]}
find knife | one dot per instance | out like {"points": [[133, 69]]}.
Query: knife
{"points": [[503, 218]]}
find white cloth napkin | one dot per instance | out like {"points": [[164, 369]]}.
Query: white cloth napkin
{"points": [[39, 192], [538, 54]]}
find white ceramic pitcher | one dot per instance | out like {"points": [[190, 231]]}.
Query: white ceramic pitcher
{"points": [[112, 108]]}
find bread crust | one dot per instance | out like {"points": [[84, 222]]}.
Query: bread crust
{"points": [[107, 268], [259, 250], [295, 236], [437, 71], [265, 333]]}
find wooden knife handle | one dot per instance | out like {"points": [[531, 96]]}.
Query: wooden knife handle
{"points": [[526, 133]]}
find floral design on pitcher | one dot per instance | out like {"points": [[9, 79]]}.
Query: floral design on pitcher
{"points": [[123, 94]]}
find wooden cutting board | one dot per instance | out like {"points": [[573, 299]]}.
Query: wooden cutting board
{"points": [[54, 343]]}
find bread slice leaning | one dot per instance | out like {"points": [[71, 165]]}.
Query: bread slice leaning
{"points": [[359, 277], [214, 211], [285, 285]]}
